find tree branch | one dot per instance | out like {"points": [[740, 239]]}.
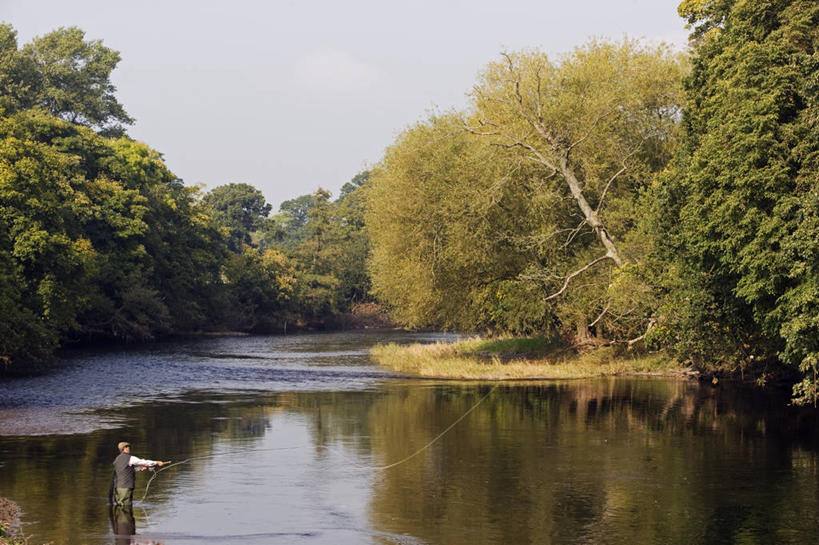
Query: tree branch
{"points": [[605, 310], [590, 131], [538, 104], [574, 233], [611, 180], [576, 273], [635, 340], [514, 142]]}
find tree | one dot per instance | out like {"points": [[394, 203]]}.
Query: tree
{"points": [[74, 79], [48, 261], [352, 187], [491, 218], [98, 240], [354, 239], [292, 219], [239, 209], [183, 250], [260, 287], [453, 225], [597, 122], [19, 78], [740, 203]]}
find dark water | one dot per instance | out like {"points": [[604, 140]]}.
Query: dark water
{"points": [[288, 438]]}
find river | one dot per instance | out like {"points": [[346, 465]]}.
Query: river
{"points": [[302, 439]]}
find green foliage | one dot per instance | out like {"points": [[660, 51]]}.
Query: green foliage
{"points": [[521, 215], [290, 226], [740, 201], [47, 261], [75, 79], [99, 240], [353, 240], [259, 287], [102, 239], [327, 245], [331, 250], [439, 241], [19, 79], [64, 74], [238, 209]]}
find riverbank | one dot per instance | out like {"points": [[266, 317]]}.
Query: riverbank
{"points": [[519, 358], [9, 519]]}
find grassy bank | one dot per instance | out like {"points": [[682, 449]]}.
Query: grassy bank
{"points": [[518, 358]]}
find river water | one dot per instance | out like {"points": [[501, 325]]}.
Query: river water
{"points": [[301, 439]]}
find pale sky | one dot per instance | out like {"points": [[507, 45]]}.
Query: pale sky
{"points": [[293, 95]]}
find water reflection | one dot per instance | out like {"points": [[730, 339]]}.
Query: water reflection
{"points": [[602, 461], [596, 462], [123, 524]]}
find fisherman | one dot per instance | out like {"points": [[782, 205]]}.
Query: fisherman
{"points": [[125, 468]]}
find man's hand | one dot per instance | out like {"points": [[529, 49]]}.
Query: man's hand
{"points": [[160, 464]]}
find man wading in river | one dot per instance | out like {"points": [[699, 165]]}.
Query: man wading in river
{"points": [[125, 468]]}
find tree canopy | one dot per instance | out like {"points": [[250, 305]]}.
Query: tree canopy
{"points": [[239, 209], [100, 240], [66, 75], [493, 217], [741, 197]]}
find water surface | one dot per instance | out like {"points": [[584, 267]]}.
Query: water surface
{"points": [[295, 440]]}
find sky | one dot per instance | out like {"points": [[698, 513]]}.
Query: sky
{"points": [[290, 96]]}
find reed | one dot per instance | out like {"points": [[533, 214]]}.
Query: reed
{"points": [[516, 359]]}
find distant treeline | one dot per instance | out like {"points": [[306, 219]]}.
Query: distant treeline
{"points": [[624, 194], [100, 241]]}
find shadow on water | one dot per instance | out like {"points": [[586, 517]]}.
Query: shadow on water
{"points": [[597, 461]]}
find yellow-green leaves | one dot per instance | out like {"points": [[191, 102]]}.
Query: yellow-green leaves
{"points": [[512, 215]]}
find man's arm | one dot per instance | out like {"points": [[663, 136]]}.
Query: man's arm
{"points": [[134, 461]]}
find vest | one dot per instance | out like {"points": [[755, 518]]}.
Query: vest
{"points": [[124, 473]]}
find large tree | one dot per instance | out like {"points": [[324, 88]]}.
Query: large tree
{"points": [[239, 209], [74, 79], [449, 219], [741, 200], [525, 206], [597, 122]]}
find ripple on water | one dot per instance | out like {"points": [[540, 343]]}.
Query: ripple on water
{"points": [[65, 400], [51, 421]]}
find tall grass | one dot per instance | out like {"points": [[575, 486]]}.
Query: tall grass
{"points": [[515, 359]]}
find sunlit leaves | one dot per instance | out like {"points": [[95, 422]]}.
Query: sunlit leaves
{"points": [[474, 219]]}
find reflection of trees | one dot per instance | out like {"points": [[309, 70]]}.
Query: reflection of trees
{"points": [[608, 461], [587, 462]]}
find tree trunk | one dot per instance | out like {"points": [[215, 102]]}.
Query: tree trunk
{"points": [[588, 212], [582, 336]]}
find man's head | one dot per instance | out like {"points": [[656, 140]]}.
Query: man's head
{"points": [[124, 445]]}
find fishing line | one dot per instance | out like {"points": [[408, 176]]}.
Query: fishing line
{"points": [[203, 457], [417, 452], [157, 472], [425, 447], [376, 468]]}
